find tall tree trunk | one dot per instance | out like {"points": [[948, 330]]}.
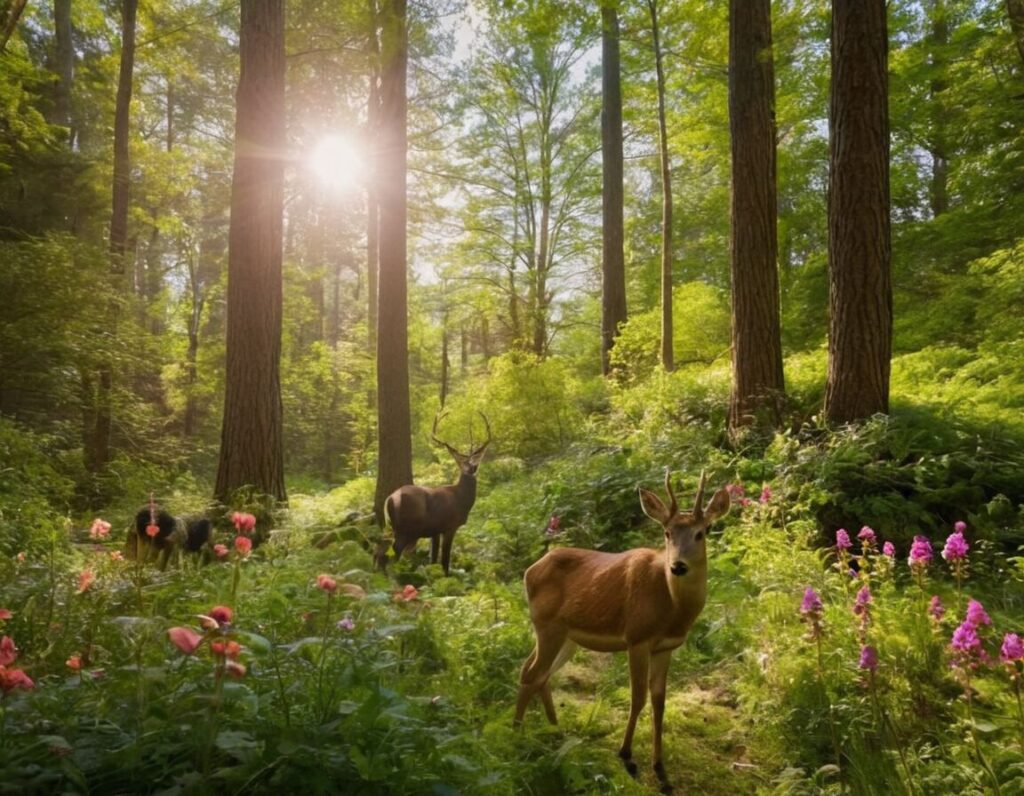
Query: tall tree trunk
{"points": [[64, 58], [860, 290], [613, 262], [10, 21], [251, 452], [1015, 11], [192, 353], [394, 426], [372, 206], [938, 145], [667, 357], [756, 335]]}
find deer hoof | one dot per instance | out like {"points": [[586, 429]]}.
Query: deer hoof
{"points": [[627, 761], [659, 772]]}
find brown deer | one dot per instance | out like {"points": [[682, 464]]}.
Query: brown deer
{"points": [[641, 601], [418, 512]]}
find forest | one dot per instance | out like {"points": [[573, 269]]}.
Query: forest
{"points": [[511, 397]]}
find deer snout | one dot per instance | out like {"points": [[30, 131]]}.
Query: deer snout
{"points": [[679, 568]]}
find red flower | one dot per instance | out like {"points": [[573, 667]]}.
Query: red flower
{"points": [[327, 583], [222, 614], [8, 652], [229, 649], [243, 544], [220, 551], [74, 663], [5, 613], [244, 522], [14, 678], [185, 639], [408, 594], [85, 580], [152, 530]]}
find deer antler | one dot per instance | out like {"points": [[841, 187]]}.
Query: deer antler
{"points": [[441, 415], [698, 503], [476, 451], [671, 495]]}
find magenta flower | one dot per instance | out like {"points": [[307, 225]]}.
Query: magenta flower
{"points": [[862, 603], [867, 536], [965, 639], [960, 526], [553, 526], [956, 547], [1012, 649], [976, 615], [736, 491], [889, 549], [347, 624], [843, 540], [868, 658], [811, 603], [936, 609], [920, 553], [766, 494]]}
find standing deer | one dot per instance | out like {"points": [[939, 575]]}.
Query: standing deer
{"points": [[641, 601], [437, 512]]}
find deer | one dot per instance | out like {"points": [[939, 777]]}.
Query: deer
{"points": [[418, 512], [641, 601]]}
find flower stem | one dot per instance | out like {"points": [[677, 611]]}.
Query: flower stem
{"points": [[831, 720]]}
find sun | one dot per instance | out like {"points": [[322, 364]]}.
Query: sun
{"points": [[336, 163]]}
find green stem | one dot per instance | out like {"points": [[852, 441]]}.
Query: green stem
{"points": [[887, 725], [974, 736], [1020, 710], [831, 720]]}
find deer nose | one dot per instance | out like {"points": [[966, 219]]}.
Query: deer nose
{"points": [[679, 568]]}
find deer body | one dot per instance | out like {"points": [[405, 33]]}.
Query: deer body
{"points": [[420, 512], [642, 601]]}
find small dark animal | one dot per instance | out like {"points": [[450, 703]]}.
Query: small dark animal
{"points": [[176, 533], [419, 512]]}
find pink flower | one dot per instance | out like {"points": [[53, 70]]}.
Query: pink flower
{"points": [[220, 551], [867, 536], [744, 502], [408, 594], [889, 549], [735, 491], [14, 678], [868, 658], [100, 529], [347, 624], [843, 540], [244, 522], [553, 523], [862, 604], [152, 531], [222, 614], [956, 547], [185, 639], [968, 651], [327, 583], [976, 615], [74, 663], [766, 494], [811, 603], [8, 651], [243, 544], [116, 555], [936, 609], [920, 553], [1012, 649], [234, 669], [960, 526], [85, 580], [5, 614]]}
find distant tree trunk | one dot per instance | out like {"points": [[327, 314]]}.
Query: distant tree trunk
{"points": [[938, 145], [860, 290], [613, 295], [394, 426], [372, 206], [10, 22], [667, 358], [64, 60], [756, 336], [1015, 11], [251, 452], [192, 353], [97, 443]]}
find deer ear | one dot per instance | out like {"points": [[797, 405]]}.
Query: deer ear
{"points": [[718, 506], [653, 507]]}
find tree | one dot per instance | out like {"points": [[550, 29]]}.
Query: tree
{"points": [[64, 62], [613, 265], [372, 219], [756, 336], [251, 438], [394, 426], [860, 291], [667, 359]]}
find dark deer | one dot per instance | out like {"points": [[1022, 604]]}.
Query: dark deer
{"points": [[437, 512]]}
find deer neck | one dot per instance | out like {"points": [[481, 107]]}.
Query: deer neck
{"points": [[689, 591], [466, 489]]}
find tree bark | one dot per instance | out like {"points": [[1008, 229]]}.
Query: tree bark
{"points": [[938, 146], [10, 22], [1015, 11], [64, 59], [251, 452], [860, 291], [372, 207], [756, 334], [394, 426], [613, 296], [667, 357]]}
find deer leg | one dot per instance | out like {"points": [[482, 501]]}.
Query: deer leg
{"points": [[564, 654], [639, 665], [446, 550], [659, 676], [536, 671], [435, 543]]}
